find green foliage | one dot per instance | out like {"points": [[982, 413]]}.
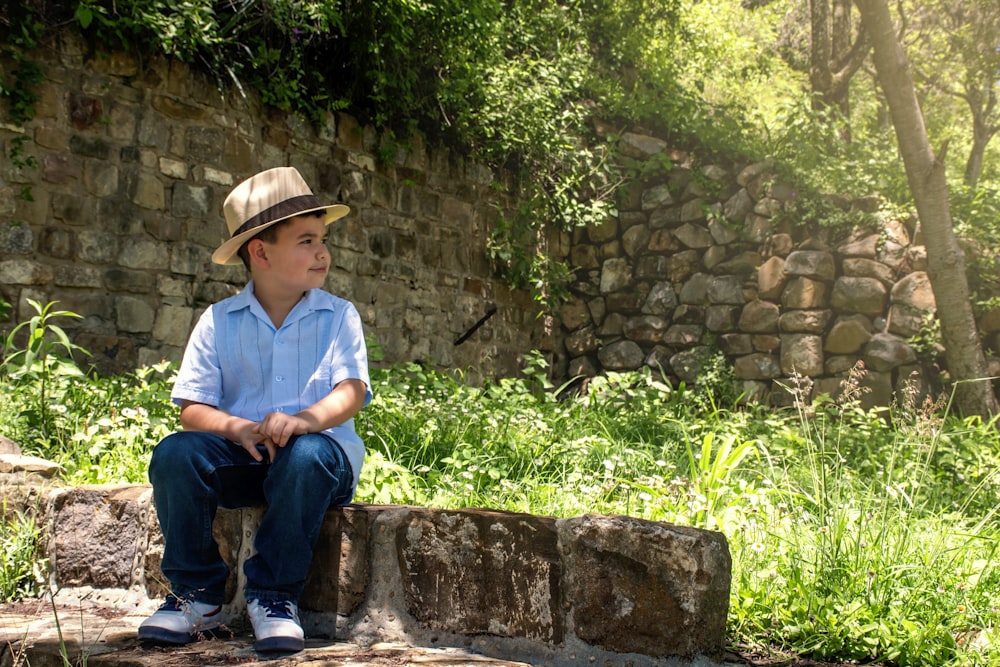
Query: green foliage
{"points": [[927, 341], [100, 429], [181, 28], [858, 552], [43, 361], [18, 82], [20, 567]]}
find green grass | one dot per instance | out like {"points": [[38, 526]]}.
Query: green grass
{"points": [[855, 535], [20, 568]]}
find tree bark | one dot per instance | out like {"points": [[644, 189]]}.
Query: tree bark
{"points": [[982, 133], [926, 176], [834, 57]]}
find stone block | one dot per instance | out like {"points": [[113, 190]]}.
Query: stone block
{"points": [[93, 147], [476, 572], [96, 246], [859, 295], [805, 321], [147, 191], [339, 574], [615, 274], [77, 275], [689, 365], [645, 329], [96, 532], [645, 587], [56, 242], [191, 201], [100, 179], [142, 253], [802, 354], [721, 318], [61, 169], [123, 280], [68, 208], [621, 355], [16, 239], [134, 314], [24, 272], [756, 366], [173, 324], [801, 293], [189, 259], [815, 264]]}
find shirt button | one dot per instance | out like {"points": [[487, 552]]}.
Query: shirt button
{"points": [[279, 378]]}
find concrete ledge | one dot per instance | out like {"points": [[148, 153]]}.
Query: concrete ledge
{"points": [[610, 590]]}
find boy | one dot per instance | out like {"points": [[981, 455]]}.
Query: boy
{"points": [[269, 385]]}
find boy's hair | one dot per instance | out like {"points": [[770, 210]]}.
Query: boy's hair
{"points": [[270, 235]]}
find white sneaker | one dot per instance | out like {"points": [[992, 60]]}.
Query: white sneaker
{"points": [[180, 621], [276, 626]]}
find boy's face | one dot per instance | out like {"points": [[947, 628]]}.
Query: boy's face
{"points": [[299, 258]]}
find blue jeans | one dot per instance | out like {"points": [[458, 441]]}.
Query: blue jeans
{"points": [[194, 473]]}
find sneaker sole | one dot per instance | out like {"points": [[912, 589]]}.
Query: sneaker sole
{"points": [[164, 636], [279, 645]]}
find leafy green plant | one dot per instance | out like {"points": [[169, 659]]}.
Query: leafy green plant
{"points": [[711, 476], [38, 352], [927, 342], [19, 84], [20, 567]]}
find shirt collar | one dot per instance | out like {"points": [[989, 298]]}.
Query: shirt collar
{"points": [[312, 301]]}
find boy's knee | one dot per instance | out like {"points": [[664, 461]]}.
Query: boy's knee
{"points": [[313, 451], [172, 451]]}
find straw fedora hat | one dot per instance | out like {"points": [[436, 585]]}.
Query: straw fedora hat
{"points": [[263, 200]]}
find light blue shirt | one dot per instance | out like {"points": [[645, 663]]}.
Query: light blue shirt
{"points": [[238, 362]]}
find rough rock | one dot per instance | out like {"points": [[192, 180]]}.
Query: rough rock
{"points": [[515, 587]]}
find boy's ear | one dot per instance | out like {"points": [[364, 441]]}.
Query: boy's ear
{"points": [[257, 252]]}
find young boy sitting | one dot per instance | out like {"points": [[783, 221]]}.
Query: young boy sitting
{"points": [[269, 385]]}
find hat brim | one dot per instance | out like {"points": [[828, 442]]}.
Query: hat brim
{"points": [[226, 253]]}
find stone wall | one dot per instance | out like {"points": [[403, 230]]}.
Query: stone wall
{"points": [[113, 207], [708, 259], [118, 208]]}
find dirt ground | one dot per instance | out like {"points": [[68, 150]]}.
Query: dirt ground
{"points": [[117, 635]]}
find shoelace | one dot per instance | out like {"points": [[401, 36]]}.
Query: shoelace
{"points": [[172, 603], [277, 608]]}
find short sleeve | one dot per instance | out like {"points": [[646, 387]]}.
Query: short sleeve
{"points": [[200, 376]]}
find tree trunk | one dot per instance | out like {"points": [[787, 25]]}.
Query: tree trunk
{"points": [[926, 175], [981, 135], [836, 54], [820, 74]]}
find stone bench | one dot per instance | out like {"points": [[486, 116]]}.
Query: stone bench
{"points": [[611, 590]]}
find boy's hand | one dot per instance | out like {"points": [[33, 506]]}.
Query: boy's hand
{"points": [[277, 428], [249, 440]]}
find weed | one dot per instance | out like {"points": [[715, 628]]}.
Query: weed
{"points": [[20, 566]]}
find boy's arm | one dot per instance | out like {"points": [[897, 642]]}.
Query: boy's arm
{"points": [[208, 418], [341, 404]]}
